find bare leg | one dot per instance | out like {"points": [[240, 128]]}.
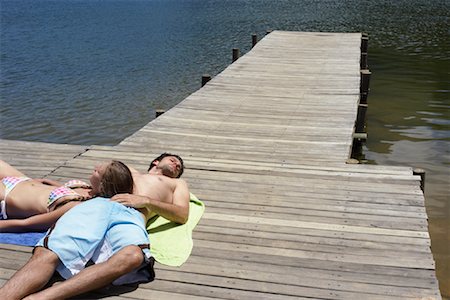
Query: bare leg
{"points": [[95, 276], [8, 170], [31, 277]]}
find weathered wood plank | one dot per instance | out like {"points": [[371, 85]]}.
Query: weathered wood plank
{"points": [[33, 159]]}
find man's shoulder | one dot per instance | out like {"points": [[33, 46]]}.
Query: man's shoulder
{"points": [[149, 176], [181, 180]]}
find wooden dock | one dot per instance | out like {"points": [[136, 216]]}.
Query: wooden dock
{"points": [[265, 144]]}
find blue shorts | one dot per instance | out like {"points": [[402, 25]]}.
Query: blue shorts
{"points": [[93, 231]]}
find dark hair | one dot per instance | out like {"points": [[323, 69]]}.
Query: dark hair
{"points": [[159, 158], [116, 179]]}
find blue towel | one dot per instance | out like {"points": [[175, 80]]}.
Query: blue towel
{"points": [[23, 239]]}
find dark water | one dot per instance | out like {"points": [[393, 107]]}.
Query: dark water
{"points": [[92, 72]]}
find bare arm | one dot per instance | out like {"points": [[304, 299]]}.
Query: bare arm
{"points": [[177, 211], [36, 223]]}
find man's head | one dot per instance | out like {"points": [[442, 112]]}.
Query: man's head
{"points": [[171, 165]]}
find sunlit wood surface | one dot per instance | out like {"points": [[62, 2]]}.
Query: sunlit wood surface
{"points": [[265, 145]]}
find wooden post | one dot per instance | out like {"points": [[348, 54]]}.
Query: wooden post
{"points": [[364, 42], [352, 161], [254, 40], [205, 79], [361, 118], [421, 173], [361, 136], [364, 49], [364, 87], [358, 140], [363, 60], [235, 54], [159, 112]]}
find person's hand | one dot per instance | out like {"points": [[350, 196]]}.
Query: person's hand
{"points": [[130, 200]]}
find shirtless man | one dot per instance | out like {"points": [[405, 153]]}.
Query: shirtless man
{"points": [[171, 202], [165, 195]]}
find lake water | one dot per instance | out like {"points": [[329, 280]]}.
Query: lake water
{"points": [[92, 72]]}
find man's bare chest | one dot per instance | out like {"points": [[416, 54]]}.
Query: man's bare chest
{"points": [[155, 187]]}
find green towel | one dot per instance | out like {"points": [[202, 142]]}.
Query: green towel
{"points": [[171, 243]]}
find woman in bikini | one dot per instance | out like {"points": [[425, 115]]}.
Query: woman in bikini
{"points": [[34, 205]]}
